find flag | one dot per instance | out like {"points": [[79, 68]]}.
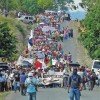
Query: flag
{"points": [[30, 41]]}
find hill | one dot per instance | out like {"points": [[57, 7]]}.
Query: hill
{"points": [[19, 30]]}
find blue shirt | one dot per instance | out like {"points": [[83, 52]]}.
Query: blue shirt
{"points": [[30, 83], [22, 78], [74, 81], [1, 79]]}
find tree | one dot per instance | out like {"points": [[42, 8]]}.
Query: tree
{"points": [[27, 6], [63, 2], [9, 4], [2, 4], [91, 37], [44, 4], [7, 42]]}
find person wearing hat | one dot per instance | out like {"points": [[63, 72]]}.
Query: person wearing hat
{"points": [[31, 83], [74, 85]]}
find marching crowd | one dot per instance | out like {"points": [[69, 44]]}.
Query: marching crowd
{"points": [[28, 81], [45, 45]]}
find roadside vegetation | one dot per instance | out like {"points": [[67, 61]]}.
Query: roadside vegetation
{"points": [[18, 31], [27, 6], [12, 36], [3, 95], [90, 38], [13, 33]]}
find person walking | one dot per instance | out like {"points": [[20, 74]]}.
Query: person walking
{"points": [[22, 83], [1, 83], [92, 80], [74, 85], [69, 58], [30, 84], [16, 82]]}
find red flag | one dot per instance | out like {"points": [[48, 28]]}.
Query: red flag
{"points": [[37, 64]]}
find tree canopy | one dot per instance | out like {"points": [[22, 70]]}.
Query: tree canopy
{"points": [[7, 42], [91, 36], [27, 6], [44, 4]]}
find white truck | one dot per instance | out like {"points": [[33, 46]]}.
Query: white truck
{"points": [[96, 65]]}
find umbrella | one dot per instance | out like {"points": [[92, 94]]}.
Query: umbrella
{"points": [[40, 55], [74, 64], [26, 64]]}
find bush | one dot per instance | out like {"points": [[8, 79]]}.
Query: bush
{"points": [[19, 30], [91, 37]]}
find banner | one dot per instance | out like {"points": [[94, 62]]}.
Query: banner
{"points": [[50, 79]]}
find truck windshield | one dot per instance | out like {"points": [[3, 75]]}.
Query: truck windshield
{"points": [[96, 65]]}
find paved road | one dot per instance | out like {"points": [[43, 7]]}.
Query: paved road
{"points": [[78, 52], [70, 45], [57, 94]]}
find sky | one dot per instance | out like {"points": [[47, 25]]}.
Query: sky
{"points": [[79, 13]]}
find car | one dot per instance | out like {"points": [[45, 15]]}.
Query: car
{"points": [[27, 19], [66, 17], [96, 65], [3, 66]]}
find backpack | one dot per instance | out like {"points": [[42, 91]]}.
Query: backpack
{"points": [[75, 81]]}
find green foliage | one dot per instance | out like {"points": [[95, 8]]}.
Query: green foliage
{"points": [[44, 4], [2, 4], [30, 6], [91, 37], [27, 6], [3, 95], [69, 1], [18, 30], [36, 6], [64, 1], [7, 41], [19, 27], [9, 4]]}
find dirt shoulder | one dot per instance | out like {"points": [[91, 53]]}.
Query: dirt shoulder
{"points": [[82, 54]]}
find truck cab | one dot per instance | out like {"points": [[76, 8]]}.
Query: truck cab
{"points": [[96, 65]]}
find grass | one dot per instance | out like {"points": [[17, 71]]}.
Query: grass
{"points": [[19, 30], [3, 95]]}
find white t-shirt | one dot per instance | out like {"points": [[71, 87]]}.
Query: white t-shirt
{"points": [[80, 73], [54, 61]]}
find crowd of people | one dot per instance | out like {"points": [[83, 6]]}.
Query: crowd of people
{"points": [[44, 45], [49, 56]]}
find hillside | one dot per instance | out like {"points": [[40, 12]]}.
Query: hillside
{"points": [[19, 30]]}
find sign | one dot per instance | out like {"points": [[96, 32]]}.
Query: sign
{"points": [[50, 79], [21, 59], [56, 75]]}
